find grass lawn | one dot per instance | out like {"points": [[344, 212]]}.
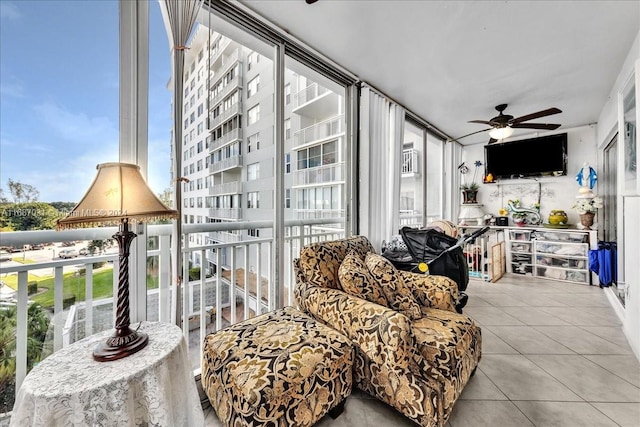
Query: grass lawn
{"points": [[74, 285], [12, 280], [24, 261]]}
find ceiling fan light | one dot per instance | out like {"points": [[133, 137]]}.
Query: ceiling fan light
{"points": [[501, 133]]}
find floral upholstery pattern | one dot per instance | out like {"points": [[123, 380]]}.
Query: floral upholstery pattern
{"points": [[419, 366], [320, 263], [355, 279], [397, 293], [282, 368]]}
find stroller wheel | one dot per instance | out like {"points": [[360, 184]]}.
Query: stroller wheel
{"points": [[462, 301]]}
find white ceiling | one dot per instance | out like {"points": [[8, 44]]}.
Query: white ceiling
{"points": [[454, 61]]}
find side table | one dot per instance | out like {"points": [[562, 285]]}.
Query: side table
{"points": [[154, 387]]}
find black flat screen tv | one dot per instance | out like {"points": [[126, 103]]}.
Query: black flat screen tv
{"points": [[545, 156]]}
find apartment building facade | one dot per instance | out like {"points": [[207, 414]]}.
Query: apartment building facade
{"points": [[228, 147]]}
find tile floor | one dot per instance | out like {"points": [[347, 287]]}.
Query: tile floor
{"points": [[554, 354]]}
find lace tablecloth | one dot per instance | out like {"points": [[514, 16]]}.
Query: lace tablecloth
{"points": [[154, 387]]}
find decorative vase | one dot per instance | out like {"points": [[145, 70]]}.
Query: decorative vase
{"points": [[469, 196], [586, 219], [520, 222], [557, 217]]}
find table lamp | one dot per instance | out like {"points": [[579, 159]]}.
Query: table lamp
{"points": [[118, 196]]}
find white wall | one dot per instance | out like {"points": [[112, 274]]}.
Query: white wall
{"points": [[628, 206], [556, 192]]}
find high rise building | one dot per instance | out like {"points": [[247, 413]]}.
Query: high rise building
{"points": [[228, 146]]}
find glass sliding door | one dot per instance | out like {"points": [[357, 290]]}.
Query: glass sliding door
{"points": [[412, 174], [434, 187]]}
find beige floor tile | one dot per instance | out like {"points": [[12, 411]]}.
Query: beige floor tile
{"points": [[587, 379], [614, 334], [625, 414], [480, 387], [492, 413], [533, 316], [527, 340], [626, 367], [352, 416], [520, 379], [564, 414], [378, 413], [581, 341], [492, 344], [486, 316]]}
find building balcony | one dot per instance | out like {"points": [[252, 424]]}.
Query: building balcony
{"points": [[226, 213], [410, 163], [235, 109], [234, 187], [223, 63], [225, 237], [311, 214], [316, 102], [331, 128], [230, 137], [226, 164], [235, 83], [333, 173]]}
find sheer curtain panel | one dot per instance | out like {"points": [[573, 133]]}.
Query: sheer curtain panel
{"points": [[381, 135]]}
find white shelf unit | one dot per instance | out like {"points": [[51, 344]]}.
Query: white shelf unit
{"points": [[549, 253]]}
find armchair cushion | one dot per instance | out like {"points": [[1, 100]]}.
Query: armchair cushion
{"points": [[432, 291], [397, 293], [443, 338], [356, 279]]}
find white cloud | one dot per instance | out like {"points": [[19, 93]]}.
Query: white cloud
{"points": [[8, 10], [76, 127]]}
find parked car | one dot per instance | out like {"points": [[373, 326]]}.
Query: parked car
{"points": [[85, 252], [68, 253], [5, 256], [37, 247], [71, 243]]}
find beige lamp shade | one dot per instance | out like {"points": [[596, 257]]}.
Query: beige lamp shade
{"points": [[501, 133], [118, 193]]}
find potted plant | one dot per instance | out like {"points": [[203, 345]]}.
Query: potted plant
{"points": [[519, 218], [587, 208], [469, 189]]}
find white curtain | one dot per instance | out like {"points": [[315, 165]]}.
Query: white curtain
{"points": [[179, 19], [381, 137]]}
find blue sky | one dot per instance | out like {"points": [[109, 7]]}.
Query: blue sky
{"points": [[59, 95]]}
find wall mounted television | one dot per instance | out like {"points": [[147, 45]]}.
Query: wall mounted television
{"points": [[545, 156]]}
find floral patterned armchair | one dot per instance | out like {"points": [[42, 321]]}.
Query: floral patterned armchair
{"points": [[413, 351]]}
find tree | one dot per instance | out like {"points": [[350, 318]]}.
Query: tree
{"points": [[3, 198], [28, 216], [22, 192]]}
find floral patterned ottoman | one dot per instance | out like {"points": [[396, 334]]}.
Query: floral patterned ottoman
{"points": [[279, 369]]}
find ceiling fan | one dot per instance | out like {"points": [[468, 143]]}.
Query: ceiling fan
{"points": [[502, 125]]}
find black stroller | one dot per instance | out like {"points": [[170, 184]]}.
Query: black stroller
{"points": [[436, 253]]}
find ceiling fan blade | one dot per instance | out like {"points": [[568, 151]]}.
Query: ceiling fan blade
{"points": [[484, 122], [469, 134], [546, 126], [543, 113], [491, 140]]}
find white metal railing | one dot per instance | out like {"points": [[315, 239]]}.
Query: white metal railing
{"points": [[320, 175], [227, 138], [234, 187], [332, 127], [309, 93], [226, 114], [409, 218], [224, 164], [229, 213], [209, 295], [410, 161], [227, 88]]}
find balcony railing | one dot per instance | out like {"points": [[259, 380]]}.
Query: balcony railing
{"points": [[225, 115], [226, 164], [234, 187], [227, 213], [307, 94], [410, 162], [241, 281], [320, 175], [227, 138], [326, 129], [232, 84]]}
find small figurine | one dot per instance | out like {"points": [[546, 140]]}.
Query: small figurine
{"points": [[586, 178]]}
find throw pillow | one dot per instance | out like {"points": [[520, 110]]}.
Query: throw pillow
{"points": [[398, 294], [356, 280]]}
